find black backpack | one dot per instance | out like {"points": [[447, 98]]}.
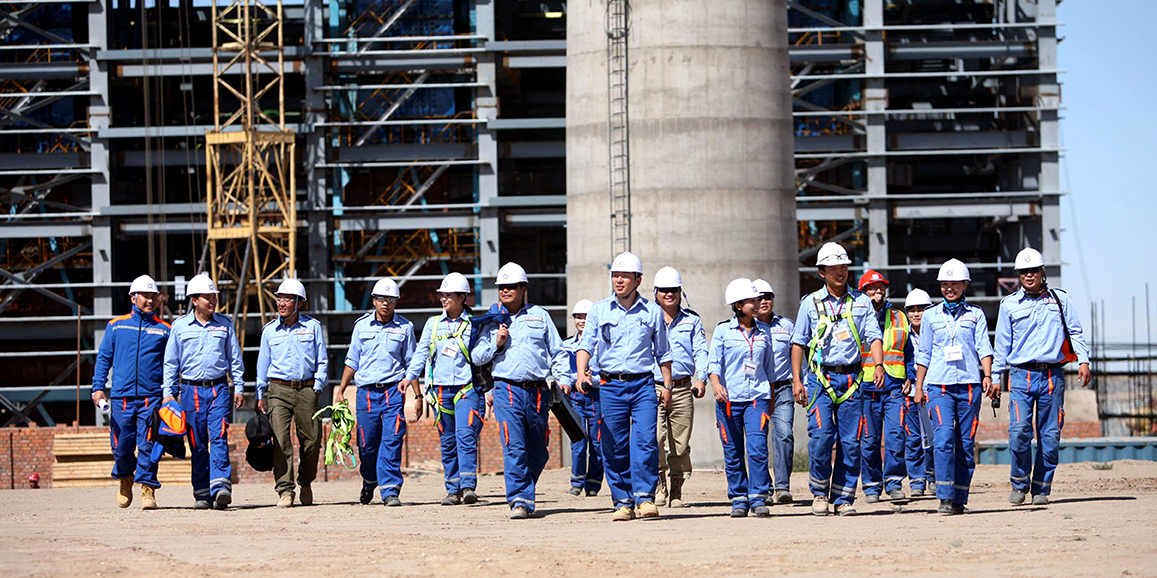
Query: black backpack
{"points": [[259, 454]]}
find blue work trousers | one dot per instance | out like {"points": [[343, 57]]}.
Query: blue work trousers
{"points": [[834, 427], [745, 424], [458, 434], [883, 422], [917, 458], [782, 437], [381, 430], [522, 426], [1041, 392], [586, 469], [132, 449], [953, 410], [630, 441], [207, 412]]}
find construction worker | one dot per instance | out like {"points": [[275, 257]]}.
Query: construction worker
{"points": [[884, 406], [917, 430], [782, 438], [381, 346], [688, 346], [741, 364], [292, 368], [627, 335], [953, 363], [586, 466], [201, 358], [443, 355], [522, 352], [1037, 333], [133, 347], [832, 327]]}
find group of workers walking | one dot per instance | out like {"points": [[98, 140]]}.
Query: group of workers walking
{"points": [[889, 393]]}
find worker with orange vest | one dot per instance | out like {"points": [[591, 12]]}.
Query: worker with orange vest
{"points": [[884, 404]]}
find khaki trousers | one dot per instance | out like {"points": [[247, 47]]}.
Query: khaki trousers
{"points": [[674, 432], [293, 406]]}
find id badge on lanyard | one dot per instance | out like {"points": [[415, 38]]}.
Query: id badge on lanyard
{"points": [[953, 351], [749, 365], [450, 349]]}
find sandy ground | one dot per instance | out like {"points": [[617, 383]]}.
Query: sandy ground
{"points": [[1101, 523]]}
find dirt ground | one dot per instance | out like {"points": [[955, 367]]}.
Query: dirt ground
{"points": [[1101, 523]]}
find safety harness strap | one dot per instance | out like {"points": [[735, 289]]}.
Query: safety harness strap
{"points": [[826, 322]]}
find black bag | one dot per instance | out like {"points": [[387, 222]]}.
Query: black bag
{"points": [[482, 374], [260, 434], [564, 412]]}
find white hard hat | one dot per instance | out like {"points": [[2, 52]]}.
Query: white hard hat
{"points": [[386, 288], [143, 284], [668, 277], [832, 254], [582, 307], [627, 262], [200, 285], [1029, 258], [762, 287], [953, 270], [916, 298], [291, 287], [454, 283], [738, 290], [511, 274]]}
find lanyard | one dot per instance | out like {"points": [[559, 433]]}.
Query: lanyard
{"points": [[837, 313], [750, 342], [954, 323]]}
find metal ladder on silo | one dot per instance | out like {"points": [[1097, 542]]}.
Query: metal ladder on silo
{"points": [[618, 18]]}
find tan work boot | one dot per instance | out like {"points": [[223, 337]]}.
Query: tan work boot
{"points": [[125, 493], [148, 498], [305, 495], [661, 492], [820, 505], [647, 510], [286, 500], [623, 514], [675, 499]]}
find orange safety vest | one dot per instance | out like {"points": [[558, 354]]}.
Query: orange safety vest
{"points": [[896, 334]]}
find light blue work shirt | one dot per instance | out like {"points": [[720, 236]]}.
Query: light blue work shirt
{"points": [[781, 329], [1030, 331], [292, 352], [530, 347], [938, 329], [731, 348], [626, 340], [688, 346], [379, 352], [451, 365], [202, 352], [565, 365], [838, 351]]}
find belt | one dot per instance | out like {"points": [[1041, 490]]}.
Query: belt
{"points": [[607, 376], [1039, 366], [534, 384], [781, 383], [674, 382], [206, 383], [849, 368], [294, 384], [381, 385]]}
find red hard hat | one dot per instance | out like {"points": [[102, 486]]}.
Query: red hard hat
{"points": [[35, 477], [871, 276]]}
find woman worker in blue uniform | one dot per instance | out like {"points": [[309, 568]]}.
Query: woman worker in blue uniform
{"points": [[586, 470], [953, 363], [740, 365]]}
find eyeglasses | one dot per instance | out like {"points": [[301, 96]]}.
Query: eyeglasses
{"points": [[669, 289], [281, 299], [385, 299]]}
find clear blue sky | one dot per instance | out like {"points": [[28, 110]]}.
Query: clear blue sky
{"points": [[1110, 168]]}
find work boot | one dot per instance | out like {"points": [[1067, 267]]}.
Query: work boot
{"points": [[1016, 497], [1039, 500], [872, 498], [305, 495], [661, 492], [675, 498], [392, 501], [592, 493], [761, 511], [896, 494], [917, 492], [202, 505], [945, 508], [958, 509], [845, 510], [783, 497], [367, 495], [576, 491], [148, 498], [125, 493], [519, 513], [469, 497], [738, 512], [623, 514], [286, 500], [222, 500], [648, 510], [820, 505], [451, 500]]}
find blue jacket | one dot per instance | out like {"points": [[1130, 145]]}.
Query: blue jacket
{"points": [[134, 348]]}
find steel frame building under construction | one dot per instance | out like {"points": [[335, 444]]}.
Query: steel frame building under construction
{"points": [[429, 137]]}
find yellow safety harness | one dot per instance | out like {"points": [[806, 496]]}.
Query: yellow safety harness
{"points": [[821, 338], [431, 397]]}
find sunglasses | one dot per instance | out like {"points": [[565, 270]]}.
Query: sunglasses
{"points": [[384, 299], [767, 297], [511, 287], [669, 289]]}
